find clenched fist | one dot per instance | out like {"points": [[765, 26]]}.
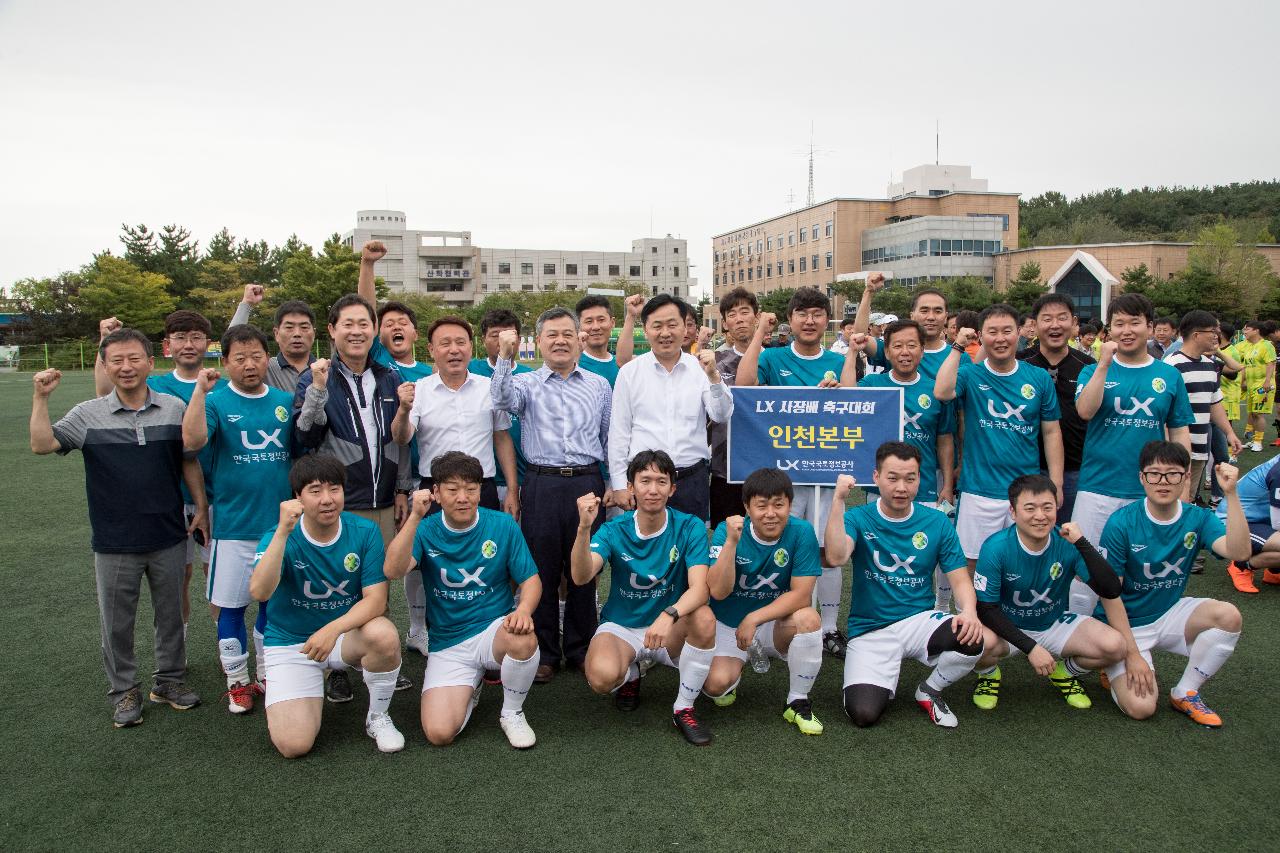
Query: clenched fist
{"points": [[290, 512], [1107, 351], [1070, 532], [107, 326], [965, 337], [373, 251], [707, 359], [634, 304], [875, 282], [508, 344], [320, 372], [405, 393], [588, 509], [1228, 476], [46, 380], [733, 528], [206, 379], [421, 503], [844, 485], [253, 293], [765, 324]]}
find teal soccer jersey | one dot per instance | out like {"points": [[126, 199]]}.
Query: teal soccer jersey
{"points": [[406, 372], [1138, 403], [1032, 589], [648, 574], [468, 574], [249, 439], [320, 582], [929, 363], [923, 420], [893, 563], [1154, 560], [763, 570], [175, 386], [481, 367], [608, 369], [1002, 415], [784, 366]]}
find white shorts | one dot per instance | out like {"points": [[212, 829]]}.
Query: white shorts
{"points": [[727, 642], [230, 564], [802, 507], [188, 513], [1168, 634], [978, 518], [463, 664], [634, 637], [1092, 511], [293, 675], [1054, 638], [876, 657]]}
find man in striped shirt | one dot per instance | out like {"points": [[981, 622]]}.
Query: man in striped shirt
{"points": [[1199, 331]]}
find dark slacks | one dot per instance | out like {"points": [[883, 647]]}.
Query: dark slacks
{"points": [[726, 500], [693, 490]]}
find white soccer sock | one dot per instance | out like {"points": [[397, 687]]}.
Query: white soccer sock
{"points": [[235, 661], [517, 678], [988, 671], [259, 654], [1071, 666], [952, 666], [694, 665], [942, 591], [804, 659], [1083, 599], [382, 686], [1209, 652], [828, 588], [416, 596]]}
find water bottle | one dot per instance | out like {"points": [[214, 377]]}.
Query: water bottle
{"points": [[759, 660]]}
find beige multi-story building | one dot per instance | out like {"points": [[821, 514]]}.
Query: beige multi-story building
{"points": [[447, 265]]}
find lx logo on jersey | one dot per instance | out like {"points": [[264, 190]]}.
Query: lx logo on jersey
{"points": [[1010, 411], [760, 583], [268, 439], [910, 421], [1036, 598], [329, 591], [1166, 569], [898, 563], [467, 578], [1143, 406], [649, 583]]}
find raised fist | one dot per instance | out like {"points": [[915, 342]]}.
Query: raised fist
{"points": [[1228, 475], [704, 336], [965, 337], [46, 380], [1070, 532], [844, 485], [875, 282], [421, 503], [707, 359], [733, 527], [508, 344], [634, 304], [858, 342], [373, 251], [107, 326], [405, 393], [253, 294], [320, 372], [1107, 351], [206, 379], [588, 509], [290, 512], [766, 323]]}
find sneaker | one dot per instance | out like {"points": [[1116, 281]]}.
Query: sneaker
{"points": [[627, 697], [834, 644], [177, 695], [416, 642], [1256, 446], [1242, 579], [517, 730], [384, 732], [727, 699], [1271, 577], [800, 712], [240, 698], [1193, 706], [687, 722], [986, 693], [259, 687], [128, 711], [1070, 687], [403, 683], [338, 688], [935, 707], [1197, 565]]}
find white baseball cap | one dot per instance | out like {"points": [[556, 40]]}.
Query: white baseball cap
{"points": [[878, 319], [890, 318]]}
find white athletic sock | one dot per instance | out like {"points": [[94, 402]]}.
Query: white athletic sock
{"points": [[416, 596], [517, 678], [694, 665], [1209, 652], [1074, 668], [382, 686], [828, 588], [259, 654], [942, 591], [988, 670], [235, 661], [952, 666], [1083, 599], [804, 659]]}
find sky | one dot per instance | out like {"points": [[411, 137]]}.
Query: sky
{"points": [[587, 125]]}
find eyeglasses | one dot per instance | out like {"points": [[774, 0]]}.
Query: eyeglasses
{"points": [[183, 338], [1173, 478]]}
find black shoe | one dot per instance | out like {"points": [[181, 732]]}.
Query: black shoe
{"points": [[687, 722], [175, 694], [338, 688], [128, 711], [627, 697], [403, 683], [834, 644]]}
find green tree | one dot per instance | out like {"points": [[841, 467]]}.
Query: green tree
{"points": [[113, 286], [967, 293], [49, 304], [1026, 287], [221, 287], [776, 301], [222, 247], [319, 280], [1138, 280], [1243, 277]]}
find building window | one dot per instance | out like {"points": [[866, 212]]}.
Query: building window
{"points": [[749, 272], [655, 272], [759, 247], [802, 233], [548, 269], [739, 275], [759, 272], [828, 260], [802, 259], [769, 244], [791, 266], [829, 226], [715, 280], [779, 267], [615, 270], [813, 232], [484, 268], [814, 262], [654, 249], [768, 271], [526, 287], [675, 271], [634, 270], [570, 269], [716, 257], [504, 268], [526, 268], [791, 238], [593, 269]]}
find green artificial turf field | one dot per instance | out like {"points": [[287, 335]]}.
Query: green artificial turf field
{"points": [[1032, 775]]}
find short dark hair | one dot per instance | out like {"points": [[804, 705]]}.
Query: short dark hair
{"points": [[346, 302], [1133, 304], [242, 333], [651, 459], [1193, 321], [1000, 309], [928, 291], [448, 320], [1228, 330], [1268, 327], [316, 468], [1034, 484], [593, 300], [967, 319], [1166, 321], [1164, 452], [807, 298], [848, 321], [1023, 319], [738, 296], [662, 300], [121, 336], [294, 306], [898, 450], [1088, 329], [394, 307], [1053, 299], [767, 483], [456, 465], [499, 318], [902, 326], [187, 321], [1252, 324]]}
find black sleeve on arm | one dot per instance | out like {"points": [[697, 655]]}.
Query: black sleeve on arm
{"points": [[994, 618], [1102, 578]]}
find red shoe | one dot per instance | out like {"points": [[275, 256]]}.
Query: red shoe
{"points": [[1193, 706], [1271, 577], [240, 698], [1242, 578]]}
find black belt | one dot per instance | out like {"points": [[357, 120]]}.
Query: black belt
{"points": [[681, 473], [563, 471]]}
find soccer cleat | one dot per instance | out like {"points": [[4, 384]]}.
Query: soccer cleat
{"points": [[627, 697], [834, 644], [175, 694], [687, 722], [726, 699], [259, 687], [128, 711], [403, 683], [240, 698], [800, 712], [1103, 681], [338, 688], [986, 693], [1256, 446], [1193, 706], [1070, 687], [417, 642], [517, 730], [1271, 577], [384, 732], [1242, 579], [937, 708]]}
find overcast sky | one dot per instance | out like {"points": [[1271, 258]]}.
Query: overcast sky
{"points": [[574, 125]]}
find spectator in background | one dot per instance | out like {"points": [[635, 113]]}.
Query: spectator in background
{"points": [[1162, 337]]}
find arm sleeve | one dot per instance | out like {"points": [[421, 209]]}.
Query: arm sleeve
{"points": [[994, 618], [764, 368], [718, 402], [310, 419], [1273, 493], [600, 544], [718, 539], [70, 430], [1098, 573], [806, 562], [241, 316], [508, 395], [694, 543], [1180, 413], [1049, 410], [1212, 529], [374, 555]]}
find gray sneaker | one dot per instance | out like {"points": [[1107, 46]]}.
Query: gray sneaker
{"points": [[175, 694], [128, 710]]}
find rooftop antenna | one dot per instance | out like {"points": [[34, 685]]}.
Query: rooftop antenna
{"points": [[791, 200], [810, 202], [937, 142]]}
